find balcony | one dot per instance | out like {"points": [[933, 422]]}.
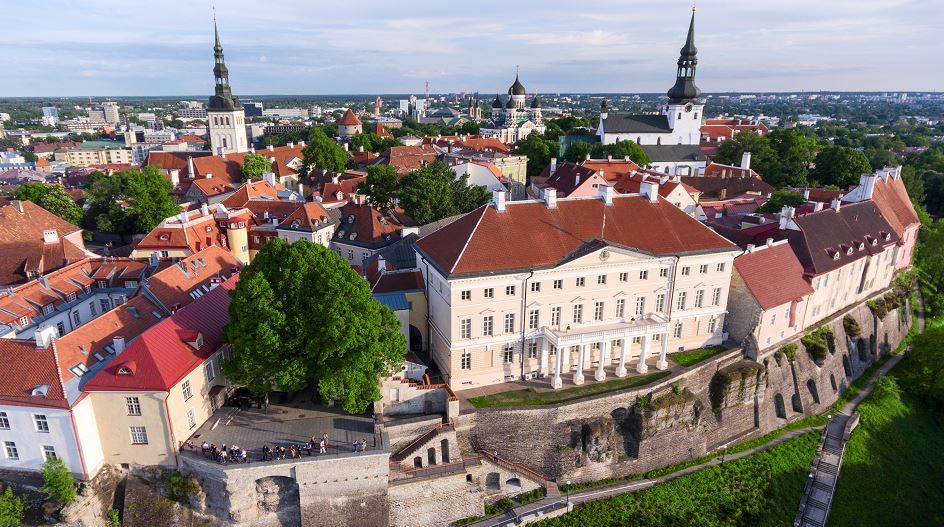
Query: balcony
{"points": [[574, 335]]}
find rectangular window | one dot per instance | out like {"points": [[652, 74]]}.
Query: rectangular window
{"points": [[487, 326], [677, 330], [533, 349], [558, 284], [555, 316], [716, 297], [664, 272], [466, 295], [620, 307], [686, 271], [9, 448], [134, 405], [533, 319], [509, 322], [49, 452], [721, 267], [601, 280], [699, 298], [624, 277], [186, 389], [465, 328], [643, 275], [535, 287], [42, 425], [578, 313], [660, 302], [703, 269], [489, 292], [581, 281], [598, 311], [682, 299], [92, 309], [508, 353], [191, 418], [773, 319], [510, 290], [138, 435], [47, 309], [4, 421], [105, 303], [713, 325], [640, 305], [208, 371], [60, 328], [465, 361]]}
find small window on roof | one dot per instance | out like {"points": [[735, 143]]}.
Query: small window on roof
{"points": [[40, 390], [79, 369], [125, 370], [163, 236]]}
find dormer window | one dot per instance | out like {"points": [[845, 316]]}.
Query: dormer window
{"points": [[209, 229], [163, 236], [194, 339], [102, 284], [47, 309], [70, 297], [24, 321], [126, 369], [79, 369], [40, 390]]}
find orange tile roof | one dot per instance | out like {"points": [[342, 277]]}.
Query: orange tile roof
{"points": [[250, 190], [186, 280], [892, 199], [308, 217], [23, 368], [408, 158], [758, 266], [349, 119], [370, 226], [22, 248], [612, 169], [718, 170]]}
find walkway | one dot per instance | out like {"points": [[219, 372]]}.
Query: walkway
{"points": [[824, 476]]}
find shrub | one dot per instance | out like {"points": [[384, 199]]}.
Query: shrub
{"points": [[677, 388], [641, 401], [851, 326], [12, 509], [114, 518], [722, 380], [529, 497], [789, 351], [815, 343], [878, 307], [500, 506], [58, 482], [181, 487]]}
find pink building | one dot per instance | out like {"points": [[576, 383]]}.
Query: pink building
{"points": [[886, 189]]}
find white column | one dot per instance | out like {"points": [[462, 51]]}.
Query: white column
{"points": [[556, 381], [621, 367], [601, 373], [663, 364], [542, 369], [643, 355], [578, 375]]}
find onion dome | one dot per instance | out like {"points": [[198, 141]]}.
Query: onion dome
{"points": [[536, 102], [517, 88], [497, 102]]}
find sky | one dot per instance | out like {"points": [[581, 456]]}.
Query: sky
{"points": [[121, 48]]}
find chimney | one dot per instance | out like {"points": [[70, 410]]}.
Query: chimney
{"points": [[498, 200], [750, 247], [215, 282], [44, 336], [204, 209], [346, 146], [154, 259], [606, 192], [301, 144], [818, 206], [209, 175], [361, 149], [119, 344], [291, 145], [269, 177], [626, 158], [18, 205], [190, 172], [609, 158], [174, 176], [50, 236], [746, 160], [334, 178], [806, 194], [576, 180], [650, 190], [769, 242], [252, 149], [553, 168], [550, 197], [587, 157], [835, 204], [786, 214], [271, 148]]}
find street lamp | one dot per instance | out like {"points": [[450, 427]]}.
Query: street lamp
{"points": [[568, 494]]}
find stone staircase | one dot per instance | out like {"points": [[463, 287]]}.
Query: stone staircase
{"points": [[401, 455]]}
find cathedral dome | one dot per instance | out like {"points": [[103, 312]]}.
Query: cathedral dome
{"points": [[510, 104], [536, 102], [497, 102], [517, 88]]}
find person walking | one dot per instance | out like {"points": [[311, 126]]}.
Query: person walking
{"points": [[363, 445], [243, 455], [325, 439], [308, 447], [322, 447], [293, 450]]}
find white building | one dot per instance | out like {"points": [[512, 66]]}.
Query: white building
{"points": [[513, 121], [225, 115]]}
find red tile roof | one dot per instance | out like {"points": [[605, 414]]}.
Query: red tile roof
{"points": [[758, 266], [370, 226], [565, 179], [487, 241], [307, 217], [612, 169], [408, 158], [22, 248], [191, 277], [394, 281], [251, 190], [891, 197], [23, 368], [161, 356], [349, 119], [718, 170]]}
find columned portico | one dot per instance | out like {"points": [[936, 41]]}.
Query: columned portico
{"points": [[603, 359], [642, 367], [581, 353], [542, 368], [621, 366], [663, 363], [556, 382]]}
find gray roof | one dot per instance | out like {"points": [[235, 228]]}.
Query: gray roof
{"points": [[623, 123], [674, 152], [395, 301]]}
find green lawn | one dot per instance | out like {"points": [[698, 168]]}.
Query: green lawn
{"points": [[530, 396], [893, 469], [688, 358], [763, 489]]}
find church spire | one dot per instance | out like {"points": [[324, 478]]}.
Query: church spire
{"points": [[685, 88], [223, 98]]}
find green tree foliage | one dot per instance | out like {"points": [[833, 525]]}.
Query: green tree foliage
{"points": [[782, 158], [780, 199], [539, 150], [922, 372], [930, 267], [379, 186], [469, 128], [433, 192], [254, 165], [840, 166], [763, 157], [58, 482], [131, 201], [12, 509], [301, 314], [323, 152], [30, 157], [579, 150], [373, 142], [52, 198]]}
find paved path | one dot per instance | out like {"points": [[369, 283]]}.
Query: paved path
{"points": [[824, 475]]}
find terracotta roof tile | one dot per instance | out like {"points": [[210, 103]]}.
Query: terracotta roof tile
{"points": [[349, 119], [758, 266], [891, 197], [23, 368], [191, 277]]}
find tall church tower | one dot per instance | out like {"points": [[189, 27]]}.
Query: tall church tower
{"points": [[225, 115], [684, 110]]}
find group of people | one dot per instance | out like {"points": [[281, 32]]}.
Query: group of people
{"points": [[234, 454]]}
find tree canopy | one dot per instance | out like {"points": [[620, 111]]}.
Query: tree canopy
{"points": [[323, 152], [299, 315], [539, 150], [579, 150], [254, 165], [433, 192], [782, 158], [372, 142], [840, 166], [379, 186], [780, 199], [52, 198], [130, 201]]}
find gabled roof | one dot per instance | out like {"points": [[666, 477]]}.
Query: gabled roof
{"points": [[625, 123], [251, 190], [892, 199], [612, 169], [718, 170], [191, 277], [364, 225], [25, 371], [162, 356], [309, 217], [486, 241], [758, 266], [565, 179], [674, 152], [22, 249], [712, 187], [349, 119]]}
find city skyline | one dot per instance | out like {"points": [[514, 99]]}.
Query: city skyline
{"points": [[357, 48]]}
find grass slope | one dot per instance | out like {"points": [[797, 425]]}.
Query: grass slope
{"points": [[529, 396], [762, 489], [689, 358]]}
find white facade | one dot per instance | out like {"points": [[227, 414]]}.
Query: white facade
{"points": [[227, 131], [33, 433]]}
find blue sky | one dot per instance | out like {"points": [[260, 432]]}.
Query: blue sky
{"points": [[105, 47]]}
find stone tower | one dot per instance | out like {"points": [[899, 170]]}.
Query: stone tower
{"points": [[225, 115]]}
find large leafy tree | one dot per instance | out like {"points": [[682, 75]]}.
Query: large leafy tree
{"points": [[323, 152], [468, 198], [427, 194], [578, 151], [796, 150], [278, 343], [840, 166], [780, 199], [373, 142], [539, 150], [52, 198], [763, 157], [254, 165], [621, 149], [379, 186], [131, 201]]}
